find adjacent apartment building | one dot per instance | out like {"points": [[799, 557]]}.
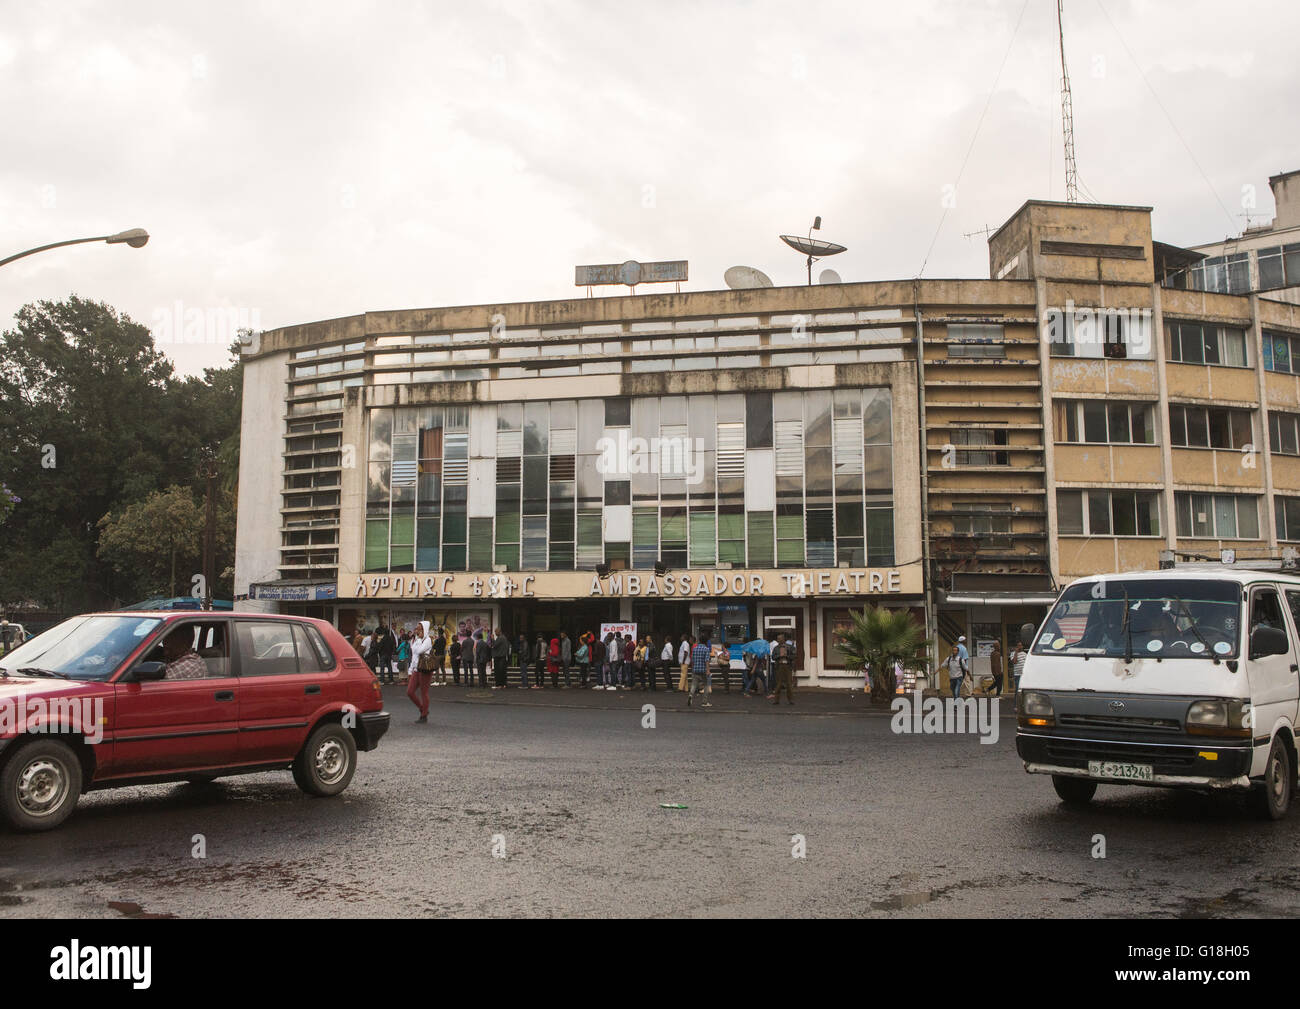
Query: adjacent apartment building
{"points": [[736, 462]]}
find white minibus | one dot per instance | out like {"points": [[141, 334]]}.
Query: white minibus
{"points": [[1185, 678]]}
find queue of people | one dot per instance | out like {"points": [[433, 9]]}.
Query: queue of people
{"points": [[615, 661]]}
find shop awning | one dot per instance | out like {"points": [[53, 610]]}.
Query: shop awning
{"points": [[999, 599]]}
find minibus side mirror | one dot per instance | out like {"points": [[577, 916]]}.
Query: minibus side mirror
{"points": [[1268, 641]]}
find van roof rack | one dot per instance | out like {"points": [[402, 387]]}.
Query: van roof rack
{"points": [[1289, 560]]}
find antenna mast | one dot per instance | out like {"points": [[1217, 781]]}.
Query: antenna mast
{"points": [[1067, 115]]}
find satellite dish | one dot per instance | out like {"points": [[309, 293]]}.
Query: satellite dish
{"points": [[829, 277], [739, 278], [813, 248]]}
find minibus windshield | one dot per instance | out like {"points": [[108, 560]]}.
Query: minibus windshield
{"points": [[1166, 618]]}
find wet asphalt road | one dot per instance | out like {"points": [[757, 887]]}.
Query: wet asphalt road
{"points": [[895, 825]]}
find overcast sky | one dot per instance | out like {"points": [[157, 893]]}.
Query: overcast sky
{"points": [[297, 162]]}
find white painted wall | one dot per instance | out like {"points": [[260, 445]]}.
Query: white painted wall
{"points": [[261, 476]]}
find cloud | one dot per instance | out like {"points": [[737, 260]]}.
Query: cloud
{"points": [[317, 161]]}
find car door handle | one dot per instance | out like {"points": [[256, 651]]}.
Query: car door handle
{"points": [[1295, 668], [225, 695], [314, 688]]}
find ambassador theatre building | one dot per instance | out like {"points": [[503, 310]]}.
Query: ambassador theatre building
{"points": [[728, 464]]}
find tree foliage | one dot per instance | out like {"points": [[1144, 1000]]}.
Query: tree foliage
{"points": [[879, 640], [94, 420], [152, 537]]}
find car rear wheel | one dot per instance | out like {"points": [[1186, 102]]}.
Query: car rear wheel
{"points": [[40, 785], [326, 763], [1074, 791], [1274, 798]]}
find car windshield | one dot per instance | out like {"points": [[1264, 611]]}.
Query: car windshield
{"points": [[84, 648], [1167, 618]]}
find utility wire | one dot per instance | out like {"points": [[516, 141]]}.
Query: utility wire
{"points": [[1167, 116], [987, 102]]}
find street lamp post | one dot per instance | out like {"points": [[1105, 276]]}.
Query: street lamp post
{"points": [[208, 464], [135, 237]]}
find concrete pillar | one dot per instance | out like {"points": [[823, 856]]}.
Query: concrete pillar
{"points": [[1162, 417]]}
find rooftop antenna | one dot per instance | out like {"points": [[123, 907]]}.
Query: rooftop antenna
{"points": [[813, 248], [986, 230], [1067, 114]]}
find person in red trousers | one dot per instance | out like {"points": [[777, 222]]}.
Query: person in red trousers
{"points": [[553, 663]]}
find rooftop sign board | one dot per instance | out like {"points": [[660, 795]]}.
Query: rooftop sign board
{"points": [[631, 273]]}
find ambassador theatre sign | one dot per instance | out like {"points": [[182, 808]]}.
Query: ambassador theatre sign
{"points": [[634, 584]]}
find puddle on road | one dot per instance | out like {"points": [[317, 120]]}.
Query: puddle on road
{"points": [[902, 900], [915, 898], [1231, 904], [8, 896], [130, 909]]}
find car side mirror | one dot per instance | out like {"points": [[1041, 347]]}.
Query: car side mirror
{"points": [[1268, 641], [143, 672]]}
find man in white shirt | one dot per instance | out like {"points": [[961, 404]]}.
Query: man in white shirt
{"points": [[684, 660], [666, 656]]}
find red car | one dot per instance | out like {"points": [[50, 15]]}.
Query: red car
{"points": [[110, 699]]}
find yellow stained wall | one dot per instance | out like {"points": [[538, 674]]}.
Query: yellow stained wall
{"points": [[1102, 377], [1083, 462], [1222, 467], [1133, 554], [1283, 391], [1193, 465], [1216, 382], [1101, 554], [1286, 473], [1237, 468], [1081, 556], [1137, 464]]}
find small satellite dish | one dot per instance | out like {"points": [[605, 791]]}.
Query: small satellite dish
{"points": [[739, 278], [829, 277]]}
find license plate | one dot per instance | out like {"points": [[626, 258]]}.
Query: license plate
{"points": [[1126, 772]]}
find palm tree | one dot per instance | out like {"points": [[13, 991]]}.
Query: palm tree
{"points": [[878, 640]]}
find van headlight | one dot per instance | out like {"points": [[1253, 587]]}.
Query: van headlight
{"points": [[1220, 718], [1036, 710]]}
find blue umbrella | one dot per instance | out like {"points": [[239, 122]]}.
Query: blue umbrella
{"points": [[756, 647]]}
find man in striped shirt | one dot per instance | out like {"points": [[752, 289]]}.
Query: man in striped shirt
{"points": [[699, 671]]}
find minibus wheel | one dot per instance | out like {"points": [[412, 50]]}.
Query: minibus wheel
{"points": [[1074, 791], [1275, 795]]}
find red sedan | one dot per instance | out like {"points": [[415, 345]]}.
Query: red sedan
{"points": [[110, 699]]}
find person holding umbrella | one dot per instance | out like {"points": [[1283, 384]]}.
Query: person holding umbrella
{"points": [[756, 654]]}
